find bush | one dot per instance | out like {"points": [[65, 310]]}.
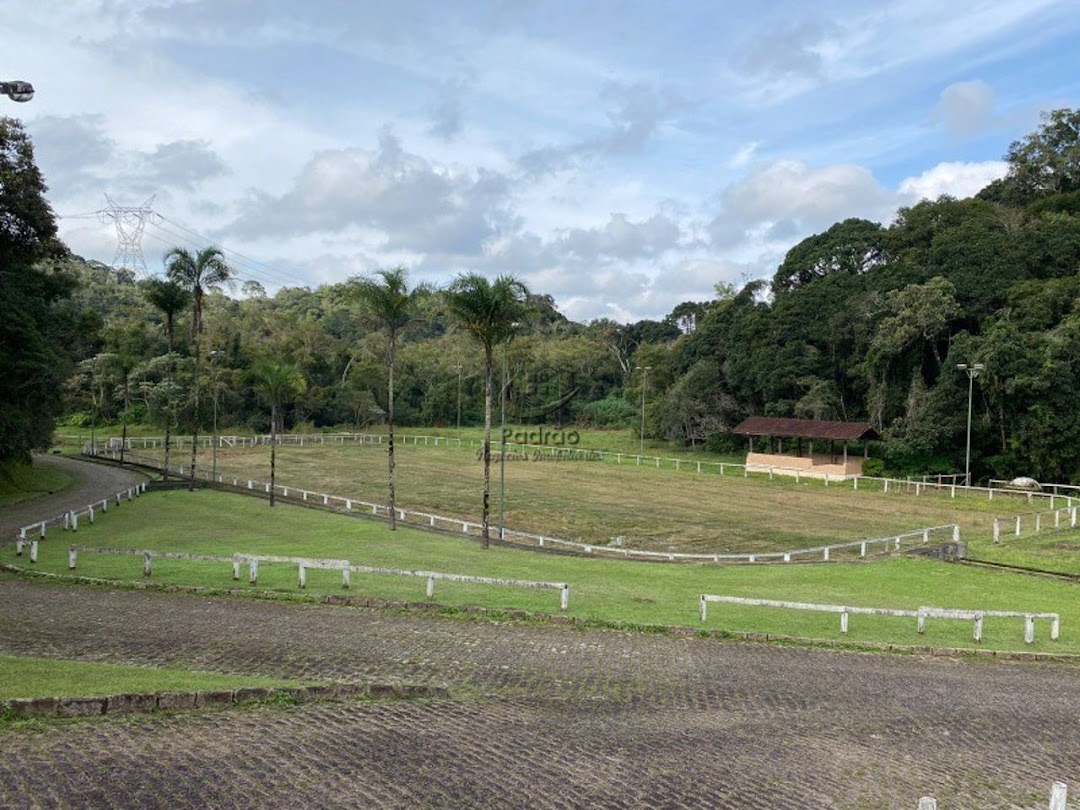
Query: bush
{"points": [[79, 419], [874, 467], [609, 412], [724, 443]]}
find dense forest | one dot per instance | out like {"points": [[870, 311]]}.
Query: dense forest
{"points": [[860, 322]]}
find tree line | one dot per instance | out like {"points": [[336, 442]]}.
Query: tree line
{"points": [[860, 322]]}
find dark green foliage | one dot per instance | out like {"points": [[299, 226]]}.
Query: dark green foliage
{"points": [[612, 411], [35, 330]]}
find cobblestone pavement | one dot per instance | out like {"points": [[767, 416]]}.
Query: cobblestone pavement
{"points": [[544, 716]]}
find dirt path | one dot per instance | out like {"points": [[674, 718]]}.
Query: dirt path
{"points": [[544, 716], [92, 483]]}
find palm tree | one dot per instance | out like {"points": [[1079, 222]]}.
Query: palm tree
{"points": [[488, 310], [390, 303], [168, 297], [206, 270], [276, 384]]}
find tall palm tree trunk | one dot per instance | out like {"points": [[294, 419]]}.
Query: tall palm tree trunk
{"points": [[273, 449], [165, 474], [488, 382], [390, 425], [195, 418]]}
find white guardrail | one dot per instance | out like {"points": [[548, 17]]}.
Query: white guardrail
{"points": [[1036, 522], [303, 564], [1059, 798], [894, 542], [70, 519], [921, 614]]}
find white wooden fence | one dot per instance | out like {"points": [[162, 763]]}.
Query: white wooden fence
{"points": [[1059, 797], [31, 533], [942, 484], [921, 614], [825, 553], [1036, 522], [304, 564]]}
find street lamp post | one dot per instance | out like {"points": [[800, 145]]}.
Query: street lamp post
{"points": [[502, 432], [644, 383], [213, 383], [972, 372], [17, 91], [458, 369]]}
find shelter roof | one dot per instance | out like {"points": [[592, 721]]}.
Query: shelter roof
{"points": [[805, 429]]}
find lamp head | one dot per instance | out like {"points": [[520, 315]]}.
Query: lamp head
{"points": [[18, 90]]}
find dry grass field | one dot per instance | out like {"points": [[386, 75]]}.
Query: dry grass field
{"points": [[596, 501]]}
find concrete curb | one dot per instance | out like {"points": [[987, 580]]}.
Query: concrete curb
{"points": [[147, 703], [551, 618]]}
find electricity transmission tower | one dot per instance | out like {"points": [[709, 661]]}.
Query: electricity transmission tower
{"points": [[130, 221]]}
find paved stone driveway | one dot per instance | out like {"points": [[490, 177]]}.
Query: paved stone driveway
{"points": [[542, 716]]}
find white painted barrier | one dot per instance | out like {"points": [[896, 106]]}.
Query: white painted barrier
{"points": [[921, 614], [69, 520], [305, 563], [1059, 797]]}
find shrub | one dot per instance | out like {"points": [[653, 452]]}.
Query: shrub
{"points": [[609, 412]]}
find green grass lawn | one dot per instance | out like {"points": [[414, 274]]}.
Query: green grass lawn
{"points": [[605, 590], [29, 677], [595, 501], [22, 482], [1052, 550]]}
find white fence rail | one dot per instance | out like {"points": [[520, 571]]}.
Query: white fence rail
{"points": [[1036, 522], [926, 484], [921, 614], [1059, 798], [824, 553], [32, 532], [304, 564]]}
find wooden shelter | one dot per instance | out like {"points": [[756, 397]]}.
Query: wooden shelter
{"points": [[820, 460]]}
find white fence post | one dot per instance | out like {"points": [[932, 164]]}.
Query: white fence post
{"points": [[1029, 629], [302, 571], [253, 572], [1059, 795], [33, 551], [843, 621], [997, 530], [235, 568], [564, 598], [345, 581], [431, 587], [702, 608], [72, 557], [977, 633]]}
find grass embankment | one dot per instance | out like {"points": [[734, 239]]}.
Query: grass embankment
{"points": [[29, 677], [22, 482], [602, 590], [595, 501], [1053, 550]]}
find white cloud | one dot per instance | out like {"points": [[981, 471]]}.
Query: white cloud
{"points": [[955, 179], [966, 108], [743, 155], [787, 197]]}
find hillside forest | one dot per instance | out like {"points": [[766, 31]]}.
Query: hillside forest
{"points": [[863, 321]]}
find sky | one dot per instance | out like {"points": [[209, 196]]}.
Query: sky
{"points": [[622, 157]]}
